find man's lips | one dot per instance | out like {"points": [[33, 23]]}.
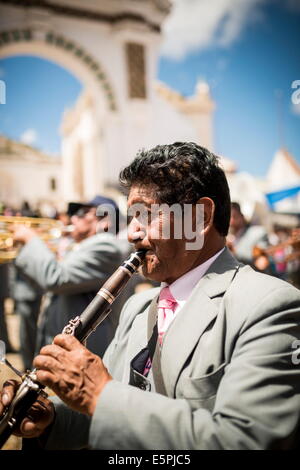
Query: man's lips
{"points": [[149, 253], [151, 258], [138, 235]]}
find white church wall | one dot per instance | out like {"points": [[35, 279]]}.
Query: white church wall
{"points": [[29, 181]]}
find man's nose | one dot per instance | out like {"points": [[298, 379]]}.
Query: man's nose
{"points": [[136, 233]]}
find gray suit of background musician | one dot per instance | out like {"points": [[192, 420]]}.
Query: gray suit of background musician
{"points": [[27, 295], [4, 293]]}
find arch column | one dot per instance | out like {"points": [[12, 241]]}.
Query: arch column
{"points": [[81, 131], [94, 169], [69, 168]]}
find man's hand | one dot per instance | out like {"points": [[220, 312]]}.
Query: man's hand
{"points": [[75, 374], [39, 416], [23, 234]]}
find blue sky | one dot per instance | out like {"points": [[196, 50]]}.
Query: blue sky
{"points": [[248, 57], [246, 78], [37, 92]]}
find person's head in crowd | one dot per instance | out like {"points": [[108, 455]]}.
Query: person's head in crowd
{"points": [[185, 174], [237, 219], [281, 232], [95, 216], [26, 210]]}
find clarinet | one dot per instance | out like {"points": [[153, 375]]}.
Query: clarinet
{"points": [[81, 327]]}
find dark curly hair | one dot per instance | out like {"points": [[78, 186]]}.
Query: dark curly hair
{"points": [[182, 173]]}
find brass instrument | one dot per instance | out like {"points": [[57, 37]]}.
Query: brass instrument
{"points": [[47, 229]]}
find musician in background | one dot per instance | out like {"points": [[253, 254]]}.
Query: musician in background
{"points": [[205, 361], [285, 251], [243, 237], [27, 296], [4, 294], [72, 282], [65, 241]]}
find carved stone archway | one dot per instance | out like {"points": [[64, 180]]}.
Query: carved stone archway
{"points": [[56, 47]]}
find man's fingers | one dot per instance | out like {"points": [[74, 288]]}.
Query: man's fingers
{"points": [[46, 363], [38, 418], [39, 412], [68, 342], [8, 392], [52, 350], [28, 428], [59, 386], [47, 378]]}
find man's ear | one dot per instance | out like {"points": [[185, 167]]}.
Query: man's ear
{"points": [[208, 211]]}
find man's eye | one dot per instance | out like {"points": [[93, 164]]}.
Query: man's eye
{"points": [[143, 217]]}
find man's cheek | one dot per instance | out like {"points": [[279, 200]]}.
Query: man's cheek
{"points": [[154, 233]]}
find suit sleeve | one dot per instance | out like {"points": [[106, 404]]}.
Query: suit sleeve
{"points": [[257, 403], [82, 271]]}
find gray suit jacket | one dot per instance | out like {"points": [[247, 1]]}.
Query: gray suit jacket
{"points": [[72, 284], [229, 367]]}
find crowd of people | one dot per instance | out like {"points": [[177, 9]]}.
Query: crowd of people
{"points": [[201, 360], [276, 253]]}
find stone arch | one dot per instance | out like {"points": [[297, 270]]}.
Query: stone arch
{"points": [[63, 51]]}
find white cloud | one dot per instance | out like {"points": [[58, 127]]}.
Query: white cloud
{"points": [[295, 108], [198, 24], [29, 136]]}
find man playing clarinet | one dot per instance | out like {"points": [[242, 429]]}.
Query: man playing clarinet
{"points": [[208, 360]]}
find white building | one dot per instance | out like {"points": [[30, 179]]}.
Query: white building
{"points": [[27, 174], [112, 46], [283, 175]]}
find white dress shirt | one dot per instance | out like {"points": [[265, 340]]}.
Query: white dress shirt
{"points": [[183, 286]]}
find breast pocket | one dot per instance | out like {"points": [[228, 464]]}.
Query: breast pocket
{"points": [[201, 391]]}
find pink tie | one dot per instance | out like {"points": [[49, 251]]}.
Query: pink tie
{"points": [[165, 311]]}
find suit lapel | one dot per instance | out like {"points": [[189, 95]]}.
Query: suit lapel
{"points": [[138, 335], [194, 318]]}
